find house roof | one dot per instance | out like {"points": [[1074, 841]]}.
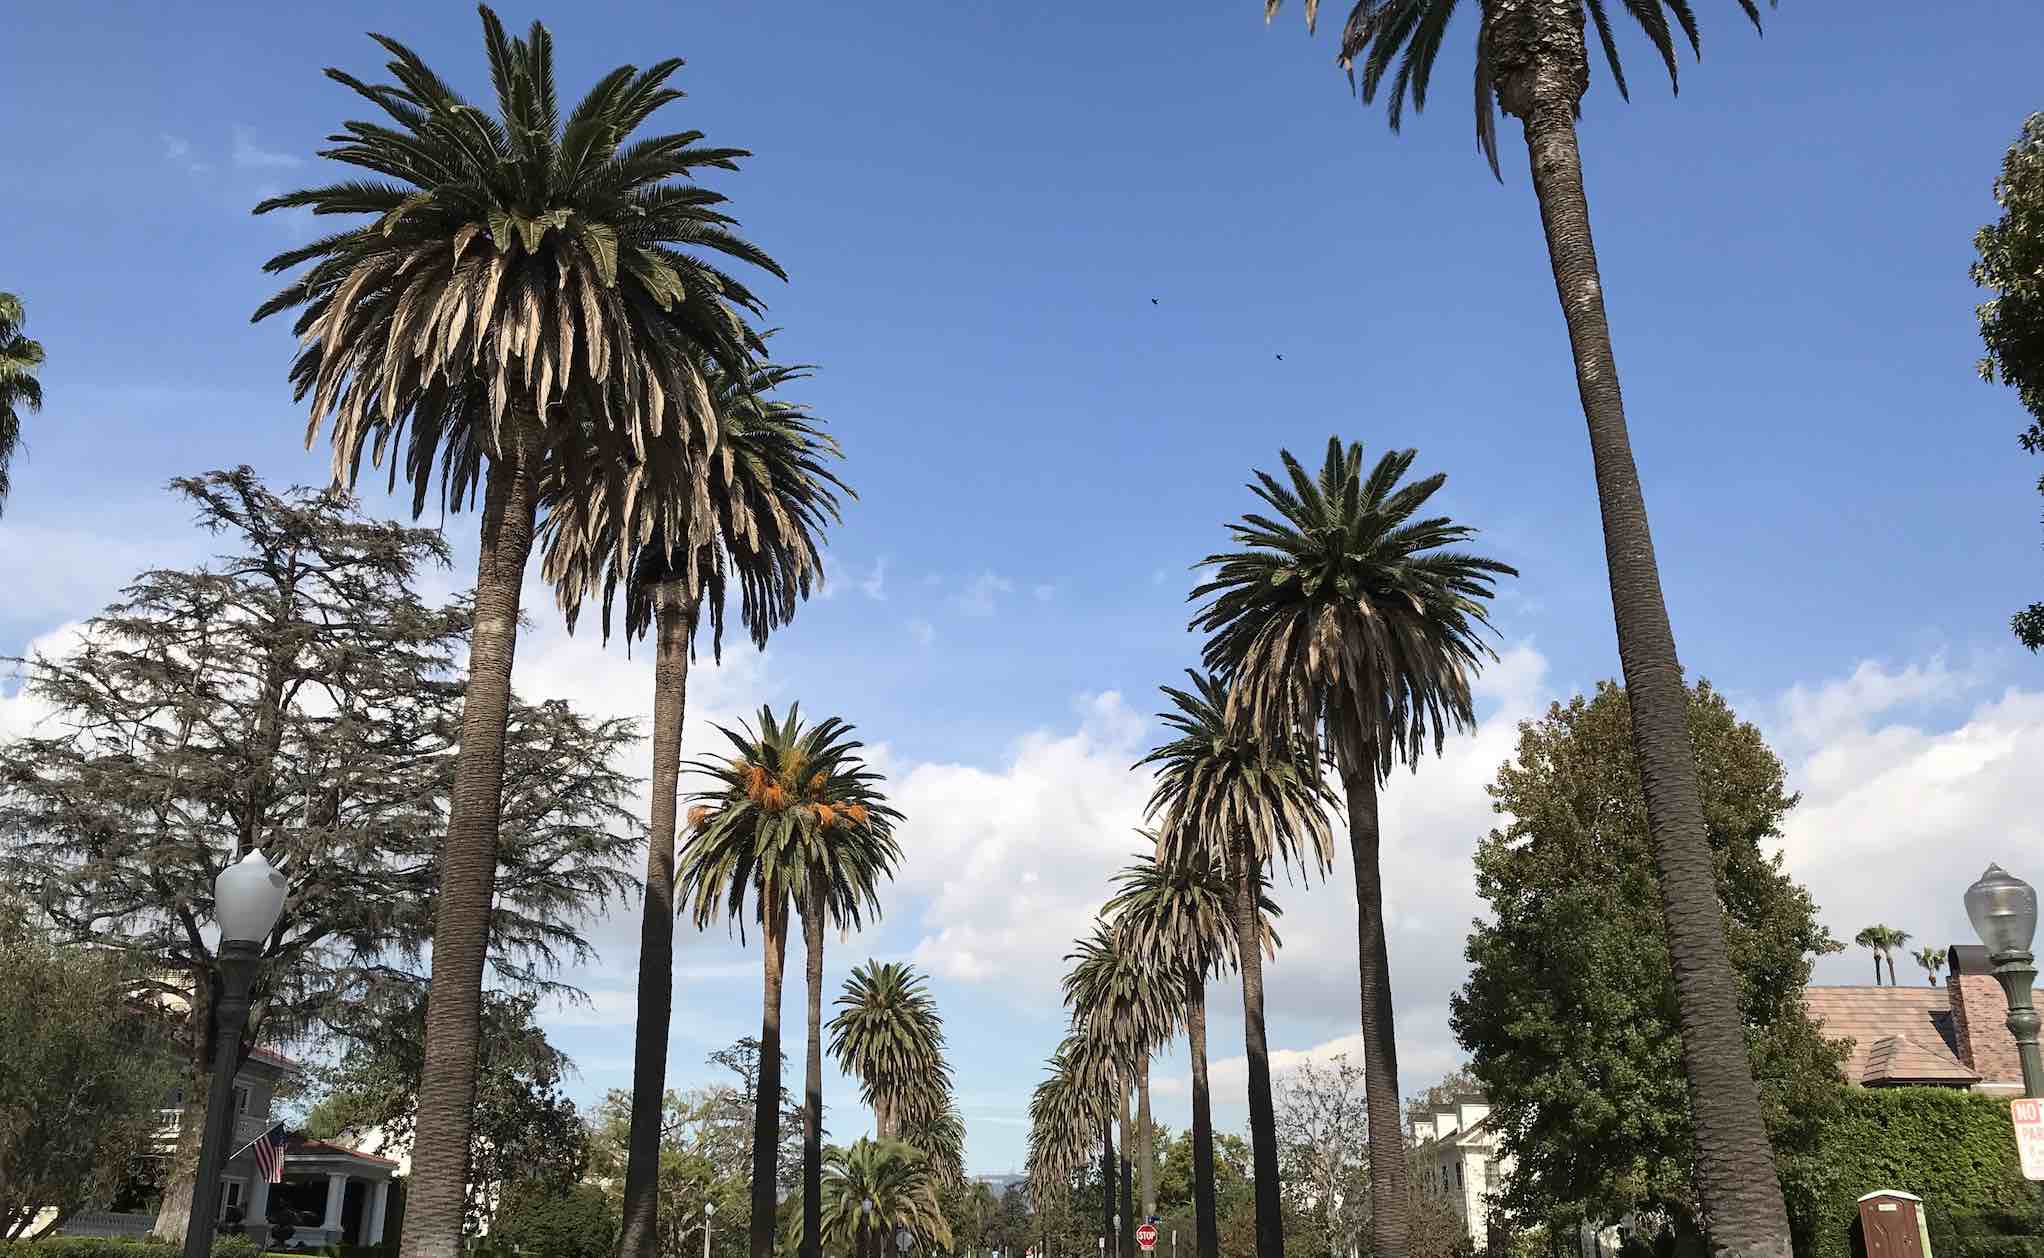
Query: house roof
{"points": [[306, 1146], [1898, 1034], [272, 1057]]}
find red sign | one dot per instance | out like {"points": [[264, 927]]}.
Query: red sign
{"points": [[1146, 1235], [2029, 1118]]}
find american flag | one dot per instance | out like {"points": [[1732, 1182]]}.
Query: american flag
{"points": [[269, 1154]]}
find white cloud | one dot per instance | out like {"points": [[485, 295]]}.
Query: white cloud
{"points": [[248, 155], [978, 596]]}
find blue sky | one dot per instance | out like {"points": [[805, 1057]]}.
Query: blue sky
{"points": [[976, 206]]}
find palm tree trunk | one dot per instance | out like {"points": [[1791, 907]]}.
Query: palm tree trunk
{"points": [[1126, 1239], [1270, 1224], [1149, 1134], [1877, 969], [1740, 1192], [766, 1109], [1390, 1200], [435, 1203], [640, 1235], [1206, 1222], [812, 1090], [1109, 1183]]}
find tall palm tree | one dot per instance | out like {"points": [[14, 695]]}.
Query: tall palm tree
{"points": [[1128, 1000], [1533, 62], [19, 389], [1245, 806], [874, 1187], [1347, 612], [1182, 912], [520, 284], [1094, 1065], [1884, 942], [793, 822], [757, 514], [1933, 962], [887, 1035], [938, 1133]]}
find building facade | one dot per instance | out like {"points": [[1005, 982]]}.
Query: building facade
{"points": [[1457, 1159]]}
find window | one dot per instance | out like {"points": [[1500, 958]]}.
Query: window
{"points": [[240, 1099], [1458, 1174], [231, 1194]]}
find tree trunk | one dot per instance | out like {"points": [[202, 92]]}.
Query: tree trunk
{"points": [[174, 1212], [1109, 1184], [640, 1235], [1126, 1239], [1206, 1222], [1390, 1200], [1736, 1179], [1877, 969], [1149, 1134], [1270, 1224], [812, 1090], [435, 1203], [766, 1110]]}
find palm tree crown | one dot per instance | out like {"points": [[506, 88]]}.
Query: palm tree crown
{"points": [[1128, 997], [19, 388], [1347, 609], [1409, 32], [887, 1035], [1182, 910], [875, 1187], [1066, 1113], [522, 269]]}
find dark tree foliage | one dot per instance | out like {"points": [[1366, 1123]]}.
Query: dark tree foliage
{"points": [[298, 695], [560, 1221], [526, 1130], [1570, 1010], [2011, 265]]}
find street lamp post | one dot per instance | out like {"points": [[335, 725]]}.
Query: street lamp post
{"points": [[2004, 912], [709, 1212], [248, 897]]}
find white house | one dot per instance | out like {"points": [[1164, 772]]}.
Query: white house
{"points": [[1457, 1158]]}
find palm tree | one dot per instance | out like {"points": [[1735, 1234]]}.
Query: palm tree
{"points": [[1244, 806], [1066, 1117], [794, 821], [757, 514], [522, 284], [19, 388], [1884, 942], [1933, 962], [1182, 912], [1533, 61], [887, 1035], [1129, 1001], [1348, 612], [938, 1133], [875, 1187]]}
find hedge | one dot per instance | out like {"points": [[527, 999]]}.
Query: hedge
{"points": [[1954, 1149], [110, 1247]]}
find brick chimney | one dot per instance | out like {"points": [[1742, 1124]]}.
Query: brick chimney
{"points": [[1980, 1019]]}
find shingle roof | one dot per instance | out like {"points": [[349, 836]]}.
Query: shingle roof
{"points": [[301, 1143], [1899, 1034]]}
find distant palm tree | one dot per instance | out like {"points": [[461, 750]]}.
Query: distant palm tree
{"points": [[1246, 806], [754, 518], [1182, 912], [1066, 1118], [795, 821], [938, 1133], [19, 389], [1533, 62], [523, 285], [1350, 613], [887, 1035], [1883, 942], [873, 1188], [1933, 962]]}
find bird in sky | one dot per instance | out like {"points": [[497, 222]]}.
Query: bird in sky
{"points": [[1281, 357], [1153, 301]]}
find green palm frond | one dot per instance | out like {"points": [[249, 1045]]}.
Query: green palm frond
{"points": [[1067, 1113], [20, 390], [1128, 997], [513, 276], [874, 1188], [1345, 610], [887, 1035], [1183, 911]]}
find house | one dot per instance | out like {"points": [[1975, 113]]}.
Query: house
{"points": [[1952, 1036], [1456, 1156], [337, 1195]]}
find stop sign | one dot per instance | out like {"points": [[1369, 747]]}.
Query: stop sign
{"points": [[1146, 1236]]}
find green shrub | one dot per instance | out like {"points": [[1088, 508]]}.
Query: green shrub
{"points": [[110, 1247], [548, 1222], [1956, 1150]]}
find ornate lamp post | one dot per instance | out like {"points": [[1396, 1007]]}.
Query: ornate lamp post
{"points": [[2004, 912], [709, 1212], [248, 898]]}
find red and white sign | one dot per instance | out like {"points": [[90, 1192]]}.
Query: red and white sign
{"points": [[2029, 1116], [1146, 1235]]}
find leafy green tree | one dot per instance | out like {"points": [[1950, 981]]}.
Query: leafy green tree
{"points": [[1571, 1014], [1533, 63], [557, 1220], [2011, 266], [515, 289], [88, 1065], [20, 391], [794, 821], [296, 695], [525, 1130], [1344, 616], [1229, 799], [1182, 913], [1883, 942], [755, 519]]}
